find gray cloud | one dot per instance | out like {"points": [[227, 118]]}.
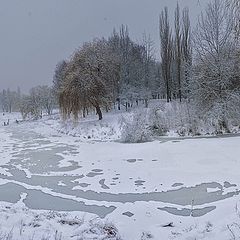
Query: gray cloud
{"points": [[36, 34]]}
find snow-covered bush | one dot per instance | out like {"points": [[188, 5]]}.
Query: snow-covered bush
{"points": [[97, 229], [220, 118], [186, 119], [158, 121], [173, 117], [134, 127]]}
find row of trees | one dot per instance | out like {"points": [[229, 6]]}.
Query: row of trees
{"points": [[107, 71], [176, 53], [203, 66], [200, 66], [41, 99]]}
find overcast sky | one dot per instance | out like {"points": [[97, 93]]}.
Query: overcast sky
{"points": [[36, 34]]}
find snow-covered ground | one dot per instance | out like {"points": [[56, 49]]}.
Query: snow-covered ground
{"points": [[164, 189]]}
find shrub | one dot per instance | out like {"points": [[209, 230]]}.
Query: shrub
{"points": [[134, 128]]}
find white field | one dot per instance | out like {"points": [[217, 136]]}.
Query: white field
{"points": [[135, 186]]}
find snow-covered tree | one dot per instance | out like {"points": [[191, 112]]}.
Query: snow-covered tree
{"points": [[138, 68], [40, 99], [216, 74]]}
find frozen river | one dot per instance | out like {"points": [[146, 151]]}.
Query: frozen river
{"points": [[139, 184]]}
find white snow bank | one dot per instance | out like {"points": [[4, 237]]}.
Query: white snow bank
{"points": [[138, 124], [18, 222]]}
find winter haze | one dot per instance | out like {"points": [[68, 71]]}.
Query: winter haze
{"points": [[109, 134], [35, 35]]}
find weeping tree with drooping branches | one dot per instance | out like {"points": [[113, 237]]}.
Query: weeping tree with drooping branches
{"points": [[90, 80]]}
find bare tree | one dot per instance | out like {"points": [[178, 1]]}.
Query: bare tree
{"points": [[166, 50], [48, 98], [178, 51], [148, 59], [186, 50]]}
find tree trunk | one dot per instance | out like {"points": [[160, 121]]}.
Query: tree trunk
{"points": [[146, 103], [84, 112], [99, 112], [119, 106]]}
